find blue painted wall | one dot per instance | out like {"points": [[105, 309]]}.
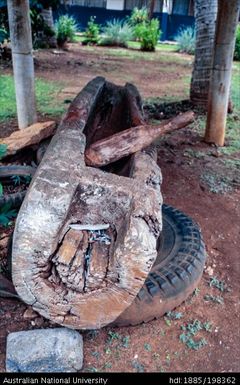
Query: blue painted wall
{"points": [[169, 24], [176, 22]]}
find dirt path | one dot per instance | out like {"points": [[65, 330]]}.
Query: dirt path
{"points": [[186, 164]]}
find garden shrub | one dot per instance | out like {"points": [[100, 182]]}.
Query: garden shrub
{"points": [[237, 45], [92, 32], [186, 40], [117, 33], [66, 27], [148, 33], [138, 16], [3, 35]]}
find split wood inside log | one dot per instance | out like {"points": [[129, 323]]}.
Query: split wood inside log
{"points": [[134, 139]]}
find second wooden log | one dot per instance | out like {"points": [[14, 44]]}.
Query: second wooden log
{"points": [[134, 139]]}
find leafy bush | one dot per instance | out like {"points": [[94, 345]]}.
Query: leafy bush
{"points": [[6, 214], [186, 40], [66, 27], [148, 33], [237, 45], [3, 35], [92, 32], [3, 150], [117, 33], [138, 16]]}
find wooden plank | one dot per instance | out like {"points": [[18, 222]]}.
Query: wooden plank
{"points": [[31, 135]]}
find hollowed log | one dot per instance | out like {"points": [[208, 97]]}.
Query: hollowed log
{"points": [[67, 269]]}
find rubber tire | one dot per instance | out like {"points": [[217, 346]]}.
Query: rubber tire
{"points": [[175, 273]]}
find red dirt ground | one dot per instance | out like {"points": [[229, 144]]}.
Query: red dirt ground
{"points": [[155, 346]]}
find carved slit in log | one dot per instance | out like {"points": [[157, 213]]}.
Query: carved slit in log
{"points": [[75, 276]]}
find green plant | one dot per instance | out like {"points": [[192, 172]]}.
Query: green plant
{"points": [[213, 298], [6, 214], [168, 322], [186, 40], [17, 179], [66, 27], [95, 354], [3, 150], [217, 184], [147, 347], [107, 365], [3, 35], [91, 334], [196, 292], [117, 33], [4, 26], [220, 285], [190, 331], [237, 44], [125, 341], [148, 33], [138, 366], [92, 369], [174, 315], [92, 32], [138, 16], [112, 336]]}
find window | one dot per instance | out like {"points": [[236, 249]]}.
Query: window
{"points": [[117, 5], [130, 4], [90, 3]]}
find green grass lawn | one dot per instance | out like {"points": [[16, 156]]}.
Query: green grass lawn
{"points": [[79, 37], [46, 95], [160, 46]]}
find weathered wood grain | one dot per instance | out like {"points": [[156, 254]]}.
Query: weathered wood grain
{"points": [[64, 273], [129, 141], [31, 135]]}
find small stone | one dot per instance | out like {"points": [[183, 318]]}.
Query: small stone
{"points": [[209, 270], [4, 242], [39, 321], [30, 314], [44, 350], [8, 315]]}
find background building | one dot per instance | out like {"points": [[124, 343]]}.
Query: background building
{"points": [[172, 14]]}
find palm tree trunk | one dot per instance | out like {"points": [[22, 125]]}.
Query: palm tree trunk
{"points": [[205, 19], [151, 9], [23, 68], [47, 16], [227, 21]]}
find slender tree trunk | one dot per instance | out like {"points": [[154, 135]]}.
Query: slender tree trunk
{"points": [[21, 43], [227, 21], [48, 19], [205, 19], [151, 9]]}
